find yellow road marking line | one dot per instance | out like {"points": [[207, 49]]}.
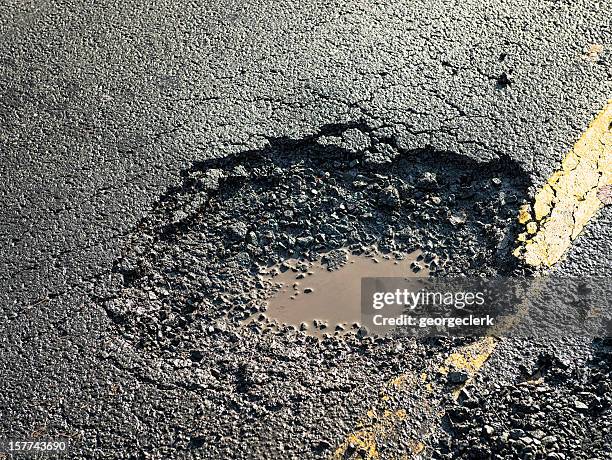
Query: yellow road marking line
{"points": [[469, 359], [561, 210], [382, 421], [569, 199]]}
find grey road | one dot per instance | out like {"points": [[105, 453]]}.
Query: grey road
{"points": [[111, 111]]}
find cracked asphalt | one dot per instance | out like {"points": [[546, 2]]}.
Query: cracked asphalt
{"points": [[108, 110]]}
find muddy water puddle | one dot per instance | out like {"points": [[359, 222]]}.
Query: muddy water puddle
{"points": [[322, 298]]}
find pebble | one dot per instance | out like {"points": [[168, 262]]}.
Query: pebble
{"points": [[457, 377], [580, 405]]}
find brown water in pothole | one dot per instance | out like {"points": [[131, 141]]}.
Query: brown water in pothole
{"points": [[322, 301]]}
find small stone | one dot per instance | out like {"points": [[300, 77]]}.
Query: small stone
{"points": [[389, 197], [496, 181], [308, 290], [196, 356], [593, 51], [428, 181], [305, 240], [457, 377], [580, 405], [240, 171], [549, 440], [304, 326], [504, 80], [488, 430], [238, 231], [457, 220]]}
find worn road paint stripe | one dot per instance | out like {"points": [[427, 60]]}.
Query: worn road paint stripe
{"points": [[384, 421], [570, 198], [468, 359]]}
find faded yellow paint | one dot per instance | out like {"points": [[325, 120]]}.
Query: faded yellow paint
{"points": [[381, 422], [469, 358], [569, 200], [364, 441], [399, 381], [532, 228], [524, 214]]}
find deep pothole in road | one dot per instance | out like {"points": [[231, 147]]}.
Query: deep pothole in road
{"points": [[199, 257]]}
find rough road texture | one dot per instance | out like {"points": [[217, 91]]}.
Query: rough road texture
{"points": [[545, 407], [101, 108]]}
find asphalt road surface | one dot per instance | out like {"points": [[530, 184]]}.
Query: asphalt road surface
{"points": [[114, 114]]}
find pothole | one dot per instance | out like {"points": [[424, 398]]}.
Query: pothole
{"points": [[195, 261]]}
